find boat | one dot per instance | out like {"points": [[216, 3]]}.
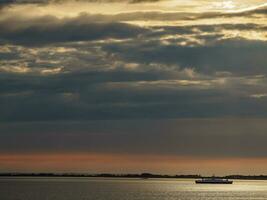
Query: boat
{"points": [[213, 180]]}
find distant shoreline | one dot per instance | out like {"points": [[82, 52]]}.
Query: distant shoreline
{"points": [[143, 176]]}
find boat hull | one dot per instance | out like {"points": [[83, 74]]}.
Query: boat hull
{"points": [[213, 182]]}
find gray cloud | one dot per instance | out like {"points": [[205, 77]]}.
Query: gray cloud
{"points": [[235, 55], [97, 81], [126, 95], [73, 69], [49, 29]]}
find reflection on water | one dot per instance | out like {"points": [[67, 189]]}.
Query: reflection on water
{"points": [[126, 189]]}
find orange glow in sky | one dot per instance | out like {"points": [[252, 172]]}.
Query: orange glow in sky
{"points": [[119, 163]]}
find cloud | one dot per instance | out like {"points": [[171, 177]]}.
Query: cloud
{"points": [[234, 55], [6, 2], [132, 79], [123, 94], [99, 67], [46, 30]]}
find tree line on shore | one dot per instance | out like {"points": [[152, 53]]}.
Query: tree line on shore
{"points": [[142, 175]]}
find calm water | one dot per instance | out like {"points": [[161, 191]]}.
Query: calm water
{"points": [[126, 189]]}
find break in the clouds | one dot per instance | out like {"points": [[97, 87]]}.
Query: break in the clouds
{"points": [[80, 61]]}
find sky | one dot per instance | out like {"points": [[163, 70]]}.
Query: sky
{"points": [[132, 86]]}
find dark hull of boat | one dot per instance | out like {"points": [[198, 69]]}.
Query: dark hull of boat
{"points": [[214, 182]]}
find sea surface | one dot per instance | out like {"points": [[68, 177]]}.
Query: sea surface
{"points": [[126, 189]]}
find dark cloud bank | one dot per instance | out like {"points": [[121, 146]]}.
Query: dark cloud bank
{"points": [[48, 30], [90, 88]]}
